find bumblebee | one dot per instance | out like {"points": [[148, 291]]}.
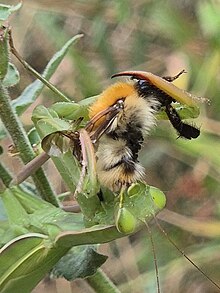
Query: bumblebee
{"points": [[123, 115]]}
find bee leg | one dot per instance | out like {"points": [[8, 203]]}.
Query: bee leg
{"points": [[172, 78], [184, 130]]}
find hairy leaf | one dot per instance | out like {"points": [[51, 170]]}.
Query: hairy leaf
{"points": [[79, 262], [12, 77], [7, 10]]}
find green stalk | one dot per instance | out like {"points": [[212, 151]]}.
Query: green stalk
{"points": [[22, 144], [101, 283], [5, 176]]}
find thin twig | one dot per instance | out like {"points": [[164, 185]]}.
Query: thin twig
{"points": [[155, 257], [72, 209], [30, 168], [184, 255], [34, 72]]}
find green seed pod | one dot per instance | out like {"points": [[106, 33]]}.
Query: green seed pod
{"points": [[134, 189], [158, 197], [125, 221], [4, 52]]}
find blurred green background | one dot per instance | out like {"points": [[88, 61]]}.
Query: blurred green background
{"points": [[162, 37]]}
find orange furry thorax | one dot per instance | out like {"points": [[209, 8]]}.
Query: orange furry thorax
{"points": [[109, 97]]}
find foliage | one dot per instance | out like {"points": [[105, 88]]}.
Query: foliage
{"points": [[158, 36]]}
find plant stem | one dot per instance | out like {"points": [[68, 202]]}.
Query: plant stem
{"points": [[35, 73], [22, 144], [30, 168], [101, 283], [5, 176]]}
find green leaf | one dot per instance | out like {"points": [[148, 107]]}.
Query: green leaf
{"points": [[34, 136], [7, 10], [28, 213], [94, 235], [2, 211], [16, 213], [88, 101], [41, 112], [79, 262], [5, 231], [12, 77], [31, 92], [70, 110], [25, 261], [28, 201], [59, 142], [69, 169], [50, 232], [47, 125]]}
